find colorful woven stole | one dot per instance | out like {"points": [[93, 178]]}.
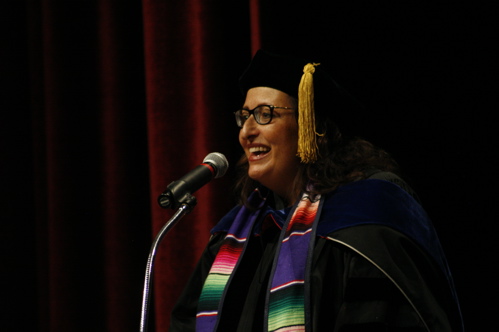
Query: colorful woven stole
{"points": [[211, 299], [286, 301], [287, 310]]}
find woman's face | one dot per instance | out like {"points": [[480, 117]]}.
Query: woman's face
{"points": [[271, 148]]}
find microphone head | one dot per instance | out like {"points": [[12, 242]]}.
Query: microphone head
{"points": [[219, 162]]}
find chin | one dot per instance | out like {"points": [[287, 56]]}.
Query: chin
{"points": [[257, 175]]}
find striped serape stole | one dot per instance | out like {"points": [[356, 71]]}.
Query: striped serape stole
{"points": [[211, 298], [286, 300]]}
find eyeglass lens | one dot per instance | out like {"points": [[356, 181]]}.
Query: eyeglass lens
{"points": [[262, 114]]}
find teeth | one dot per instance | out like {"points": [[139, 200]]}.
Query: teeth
{"points": [[258, 149]]}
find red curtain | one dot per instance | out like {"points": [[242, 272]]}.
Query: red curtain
{"points": [[187, 60], [112, 100], [105, 102]]}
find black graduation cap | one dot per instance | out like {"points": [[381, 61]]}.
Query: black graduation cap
{"points": [[319, 96], [274, 71]]}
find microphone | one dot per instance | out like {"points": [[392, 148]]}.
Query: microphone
{"points": [[178, 192]]}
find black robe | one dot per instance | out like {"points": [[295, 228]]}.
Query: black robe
{"points": [[364, 276]]}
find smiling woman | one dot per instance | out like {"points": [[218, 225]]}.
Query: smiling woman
{"points": [[271, 149], [327, 237]]}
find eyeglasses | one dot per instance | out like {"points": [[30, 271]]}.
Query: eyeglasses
{"points": [[263, 114]]}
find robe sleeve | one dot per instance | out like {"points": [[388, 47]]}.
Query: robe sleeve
{"points": [[401, 290]]}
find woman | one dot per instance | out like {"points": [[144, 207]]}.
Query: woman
{"points": [[327, 237]]}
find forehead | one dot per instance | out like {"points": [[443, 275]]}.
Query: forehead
{"points": [[265, 95]]}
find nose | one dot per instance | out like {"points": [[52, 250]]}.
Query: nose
{"points": [[249, 129]]}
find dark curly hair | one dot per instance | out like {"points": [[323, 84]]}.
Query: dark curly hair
{"points": [[342, 160]]}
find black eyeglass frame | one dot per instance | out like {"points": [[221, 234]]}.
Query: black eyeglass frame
{"points": [[239, 118]]}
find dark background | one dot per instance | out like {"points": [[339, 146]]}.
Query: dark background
{"points": [[427, 74]]}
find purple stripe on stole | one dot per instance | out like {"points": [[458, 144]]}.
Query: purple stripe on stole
{"points": [[289, 259], [206, 323], [291, 268]]}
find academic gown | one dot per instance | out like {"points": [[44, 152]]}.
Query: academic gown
{"points": [[364, 276]]}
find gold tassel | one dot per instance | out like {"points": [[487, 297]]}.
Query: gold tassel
{"points": [[307, 141]]}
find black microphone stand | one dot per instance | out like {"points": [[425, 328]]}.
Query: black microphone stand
{"points": [[186, 207]]}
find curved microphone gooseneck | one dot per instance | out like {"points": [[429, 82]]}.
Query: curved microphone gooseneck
{"points": [[178, 195]]}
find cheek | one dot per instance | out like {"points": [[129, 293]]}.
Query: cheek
{"points": [[291, 153], [240, 137], [291, 139], [289, 147]]}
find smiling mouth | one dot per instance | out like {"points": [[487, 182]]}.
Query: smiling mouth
{"points": [[258, 151]]}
